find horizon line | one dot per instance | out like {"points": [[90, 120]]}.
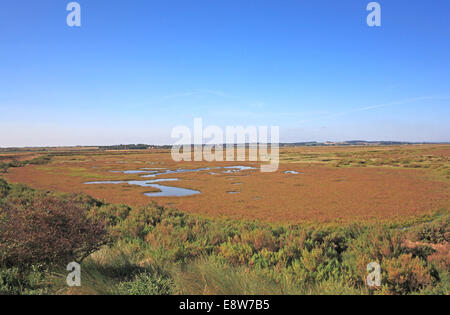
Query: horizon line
{"points": [[300, 143]]}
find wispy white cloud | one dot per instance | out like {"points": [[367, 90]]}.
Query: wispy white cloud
{"points": [[396, 103], [384, 105], [198, 93]]}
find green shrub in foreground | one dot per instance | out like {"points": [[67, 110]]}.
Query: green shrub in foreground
{"points": [[147, 284]]}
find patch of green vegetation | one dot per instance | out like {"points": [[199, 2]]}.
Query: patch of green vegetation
{"points": [[81, 172], [323, 158], [14, 281], [85, 173], [393, 158], [41, 160]]}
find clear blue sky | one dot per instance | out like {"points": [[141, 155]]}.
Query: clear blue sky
{"points": [[135, 69]]}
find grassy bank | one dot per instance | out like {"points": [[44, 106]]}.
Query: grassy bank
{"points": [[155, 250]]}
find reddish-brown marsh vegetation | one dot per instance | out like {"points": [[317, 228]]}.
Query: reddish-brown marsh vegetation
{"points": [[334, 184]]}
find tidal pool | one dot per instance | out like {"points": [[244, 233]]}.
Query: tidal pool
{"points": [[134, 172], [168, 191]]}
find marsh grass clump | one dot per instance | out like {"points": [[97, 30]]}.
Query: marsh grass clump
{"points": [[212, 275], [4, 188], [41, 160], [436, 232], [147, 284]]}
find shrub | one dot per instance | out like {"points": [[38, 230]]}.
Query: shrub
{"points": [[311, 260], [147, 284], [14, 282], [259, 239], [433, 232], [236, 254], [4, 188], [47, 231], [111, 214], [421, 251], [41, 160], [441, 257], [17, 163], [374, 245], [405, 274]]}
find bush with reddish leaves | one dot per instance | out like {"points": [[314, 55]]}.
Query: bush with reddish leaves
{"points": [[435, 232], [406, 274], [46, 232]]}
